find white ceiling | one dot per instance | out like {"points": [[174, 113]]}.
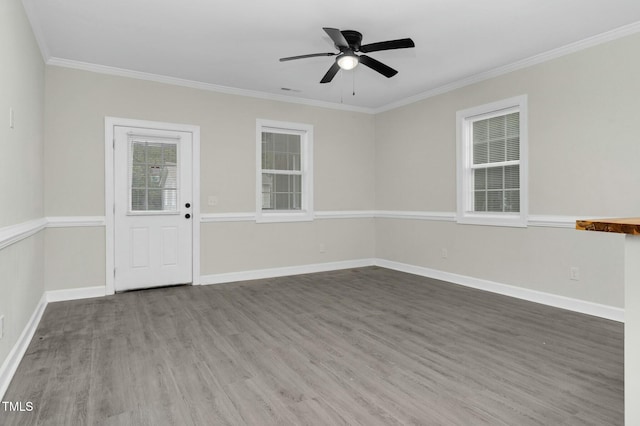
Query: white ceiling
{"points": [[237, 44]]}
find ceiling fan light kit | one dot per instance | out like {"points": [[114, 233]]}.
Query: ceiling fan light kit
{"points": [[348, 61], [348, 42]]}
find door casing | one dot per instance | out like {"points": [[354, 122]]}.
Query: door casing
{"points": [[109, 190]]}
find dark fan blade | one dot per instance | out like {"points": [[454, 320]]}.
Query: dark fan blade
{"points": [[337, 37], [375, 65], [402, 43], [331, 73], [312, 55]]}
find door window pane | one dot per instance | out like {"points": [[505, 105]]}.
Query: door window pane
{"points": [[153, 176]]}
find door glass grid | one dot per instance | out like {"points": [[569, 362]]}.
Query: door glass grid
{"points": [[153, 176]]}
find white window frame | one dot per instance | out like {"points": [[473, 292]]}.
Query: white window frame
{"points": [[464, 121], [306, 167]]}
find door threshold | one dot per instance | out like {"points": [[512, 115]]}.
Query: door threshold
{"points": [[153, 288]]}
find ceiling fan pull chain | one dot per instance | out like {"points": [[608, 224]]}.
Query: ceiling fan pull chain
{"points": [[354, 83]]}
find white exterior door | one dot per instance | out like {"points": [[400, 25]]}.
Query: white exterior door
{"points": [[153, 207]]}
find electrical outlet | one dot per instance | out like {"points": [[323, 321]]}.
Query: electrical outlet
{"points": [[322, 248], [212, 200], [445, 253], [574, 273]]}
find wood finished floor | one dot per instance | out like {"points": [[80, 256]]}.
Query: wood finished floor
{"points": [[362, 346]]}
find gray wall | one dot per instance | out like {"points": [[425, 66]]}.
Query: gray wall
{"points": [[21, 188], [583, 153], [76, 104], [581, 110]]}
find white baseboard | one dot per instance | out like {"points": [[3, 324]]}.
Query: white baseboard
{"points": [[75, 293], [11, 363], [563, 302], [576, 305], [284, 271]]}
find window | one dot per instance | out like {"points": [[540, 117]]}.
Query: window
{"points": [[492, 163], [284, 189], [153, 171]]}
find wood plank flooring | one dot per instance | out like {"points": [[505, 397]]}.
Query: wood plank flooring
{"points": [[365, 346]]}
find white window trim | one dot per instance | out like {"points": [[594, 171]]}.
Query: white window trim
{"points": [[306, 148], [464, 176]]}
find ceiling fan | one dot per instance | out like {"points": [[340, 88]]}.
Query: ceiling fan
{"points": [[348, 42]]}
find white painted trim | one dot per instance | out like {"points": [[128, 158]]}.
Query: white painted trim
{"points": [[305, 131], [12, 361], [464, 162], [24, 230], [109, 123], [258, 274], [14, 233], [75, 221], [251, 216], [550, 221], [228, 217], [542, 221], [415, 215], [575, 305], [75, 293], [138, 75], [195, 206], [568, 49], [345, 214], [10, 364], [109, 203], [546, 221]]}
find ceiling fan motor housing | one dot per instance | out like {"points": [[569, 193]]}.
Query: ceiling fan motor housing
{"points": [[354, 38]]}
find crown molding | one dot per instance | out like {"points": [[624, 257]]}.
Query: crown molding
{"points": [[476, 78], [139, 75], [518, 65]]}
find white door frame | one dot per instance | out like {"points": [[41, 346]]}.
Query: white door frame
{"points": [[109, 190]]}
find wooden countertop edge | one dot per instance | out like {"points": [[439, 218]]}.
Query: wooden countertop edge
{"points": [[629, 226]]}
